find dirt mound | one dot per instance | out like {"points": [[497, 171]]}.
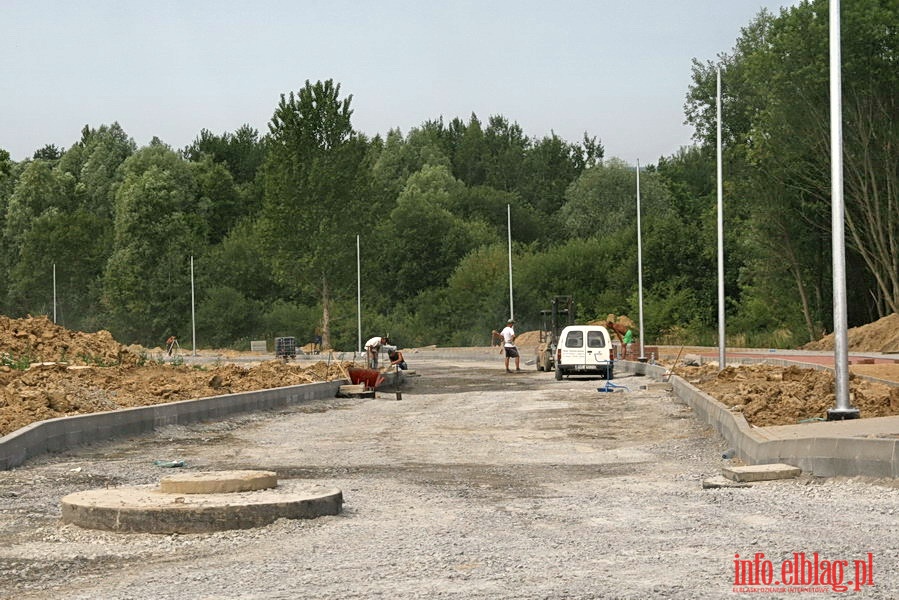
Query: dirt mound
{"points": [[623, 319], [528, 338], [880, 336], [771, 395], [47, 391], [38, 339], [48, 371]]}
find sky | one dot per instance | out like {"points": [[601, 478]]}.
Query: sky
{"points": [[616, 70]]}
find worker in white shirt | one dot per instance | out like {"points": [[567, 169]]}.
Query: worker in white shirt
{"points": [[372, 349]]}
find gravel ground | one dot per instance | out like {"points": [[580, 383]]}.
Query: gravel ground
{"points": [[476, 484]]}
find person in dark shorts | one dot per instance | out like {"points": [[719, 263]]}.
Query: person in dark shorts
{"points": [[509, 347]]}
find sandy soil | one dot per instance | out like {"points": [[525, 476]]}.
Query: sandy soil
{"points": [[773, 395], [73, 373], [880, 336]]}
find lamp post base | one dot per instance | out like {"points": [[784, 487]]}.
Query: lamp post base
{"points": [[842, 414]]}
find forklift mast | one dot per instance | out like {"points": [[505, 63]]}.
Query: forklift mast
{"points": [[555, 319], [562, 309], [559, 316]]}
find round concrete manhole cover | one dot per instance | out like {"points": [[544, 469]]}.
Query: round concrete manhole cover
{"points": [[193, 503]]}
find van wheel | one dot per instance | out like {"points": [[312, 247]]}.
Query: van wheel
{"points": [[558, 373]]}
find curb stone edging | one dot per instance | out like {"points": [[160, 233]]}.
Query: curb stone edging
{"points": [[62, 433], [824, 456]]}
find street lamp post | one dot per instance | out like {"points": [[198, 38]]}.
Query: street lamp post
{"points": [[640, 268], [843, 410], [721, 328]]}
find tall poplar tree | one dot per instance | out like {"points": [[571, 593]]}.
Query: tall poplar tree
{"points": [[315, 198]]}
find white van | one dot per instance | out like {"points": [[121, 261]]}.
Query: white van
{"points": [[584, 349]]}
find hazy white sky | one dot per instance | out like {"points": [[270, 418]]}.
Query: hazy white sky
{"points": [[618, 70]]}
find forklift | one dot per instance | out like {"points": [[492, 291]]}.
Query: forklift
{"points": [[555, 319]]}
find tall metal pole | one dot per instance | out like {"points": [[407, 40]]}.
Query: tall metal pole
{"points": [[54, 292], [358, 296], [843, 409], [193, 309], [721, 328], [509, 225], [640, 266]]}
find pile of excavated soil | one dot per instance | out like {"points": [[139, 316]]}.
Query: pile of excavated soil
{"points": [[38, 339], [772, 395], [880, 336], [76, 373], [528, 338], [48, 390]]}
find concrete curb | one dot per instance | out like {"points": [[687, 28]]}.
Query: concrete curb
{"points": [[56, 435], [824, 455]]}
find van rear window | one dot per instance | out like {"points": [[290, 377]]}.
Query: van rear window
{"points": [[595, 339], [574, 339]]}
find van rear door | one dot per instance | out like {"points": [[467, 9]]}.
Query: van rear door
{"points": [[573, 351], [597, 348]]}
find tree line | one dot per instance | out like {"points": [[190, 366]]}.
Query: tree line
{"points": [[271, 219]]}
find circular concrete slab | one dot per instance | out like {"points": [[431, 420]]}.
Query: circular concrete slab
{"points": [[218, 482], [146, 509]]}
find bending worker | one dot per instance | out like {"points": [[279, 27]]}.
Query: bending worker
{"points": [[372, 348], [395, 355]]}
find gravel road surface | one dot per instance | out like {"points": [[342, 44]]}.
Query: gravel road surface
{"points": [[476, 484]]}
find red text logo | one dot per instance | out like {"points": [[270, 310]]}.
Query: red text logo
{"points": [[802, 573]]}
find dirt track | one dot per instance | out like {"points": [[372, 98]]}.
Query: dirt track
{"points": [[476, 484]]}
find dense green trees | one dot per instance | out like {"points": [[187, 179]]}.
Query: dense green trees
{"points": [[160, 222], [271, 220], [777, 139], [317, 195]]}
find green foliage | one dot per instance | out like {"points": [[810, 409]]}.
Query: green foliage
{"points": [[17, 363], [77, 244], [549, 167], [400, 158], [224, 314], [285, 318], [776, 108], [316, 183], [39, 188], [423, 239], [475, 300], [94, 163], [49, 153], [158, 227], [241, 152], [603, 200]]}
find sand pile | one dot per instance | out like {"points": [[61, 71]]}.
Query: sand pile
{"points": [[528, 338], [880, 336]]}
